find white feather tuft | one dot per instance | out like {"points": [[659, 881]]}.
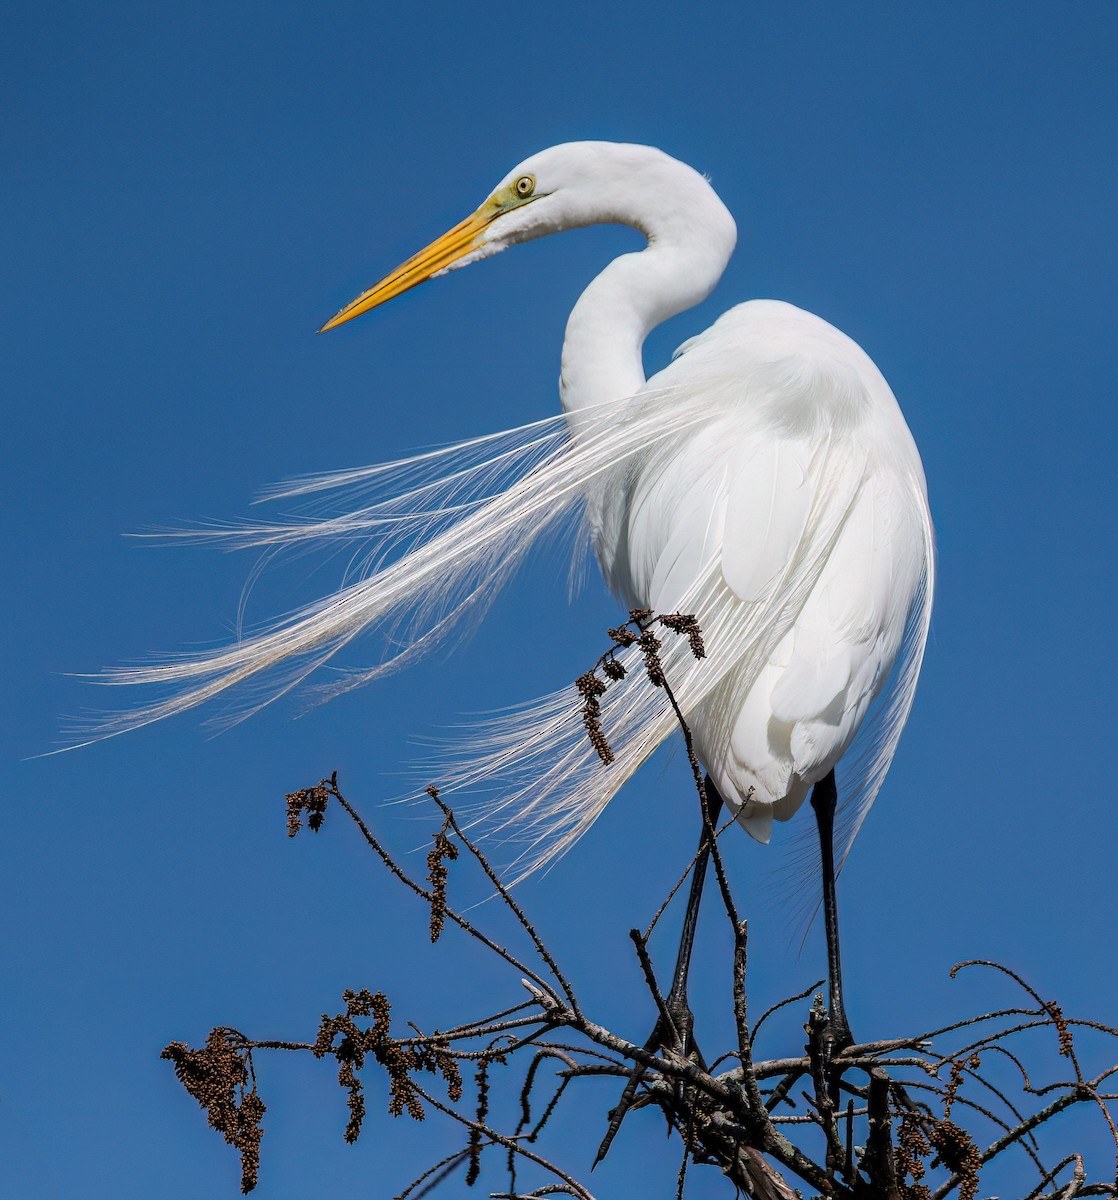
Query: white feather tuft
{"points": [[439, 534], [549, 783]]}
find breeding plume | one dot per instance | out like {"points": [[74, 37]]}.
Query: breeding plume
{"points": [[765, 481]]}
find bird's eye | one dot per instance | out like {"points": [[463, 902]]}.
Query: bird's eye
{"points": [[524, 186]]}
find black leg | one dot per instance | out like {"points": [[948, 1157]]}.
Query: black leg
{"points": [[676, 1032], [677, 997], [824, 798]]}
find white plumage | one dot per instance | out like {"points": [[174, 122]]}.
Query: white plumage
{"points": [[765, 481], [810, 432]]}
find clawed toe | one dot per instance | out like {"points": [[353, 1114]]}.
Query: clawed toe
{"points": [[673, 1033]]}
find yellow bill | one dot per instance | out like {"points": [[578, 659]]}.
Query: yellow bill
{"points": [[436, 257]]}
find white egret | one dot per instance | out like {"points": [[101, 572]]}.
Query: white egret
{"points": [[764, 481]]}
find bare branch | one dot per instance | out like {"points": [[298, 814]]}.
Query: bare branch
{"points": [[877, 1121]]}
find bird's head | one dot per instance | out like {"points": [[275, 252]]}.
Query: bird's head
{"points": [[564, 187]]}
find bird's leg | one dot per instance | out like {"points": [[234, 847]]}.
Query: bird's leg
{"points": [[676, 1002], [674, 1027], [824, 798]]}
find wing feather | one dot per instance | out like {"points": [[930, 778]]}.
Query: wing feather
{"points": [[766, 510]]}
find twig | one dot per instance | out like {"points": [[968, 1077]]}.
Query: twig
{"points": [[457, 918], [506, 896]]}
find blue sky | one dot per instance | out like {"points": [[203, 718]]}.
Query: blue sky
{"points": [[189, 193]]}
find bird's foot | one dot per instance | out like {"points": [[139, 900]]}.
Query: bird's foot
{"points": [[671, 1036], [674, 1031], [828, 1034], [836, 1037]]}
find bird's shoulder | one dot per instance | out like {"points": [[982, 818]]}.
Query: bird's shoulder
{"points": [[789, 369], [770, 327]]}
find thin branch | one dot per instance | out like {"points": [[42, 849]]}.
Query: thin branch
{"points": [[457, 918], [506, 896], [775, 1008]]}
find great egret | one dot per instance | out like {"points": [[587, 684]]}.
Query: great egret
{"points": [[764, 481]]}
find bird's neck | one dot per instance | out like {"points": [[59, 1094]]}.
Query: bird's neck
{"points": [[602, 361]]}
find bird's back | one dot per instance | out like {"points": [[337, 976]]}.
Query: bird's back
{"points": [[792, 519]]}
